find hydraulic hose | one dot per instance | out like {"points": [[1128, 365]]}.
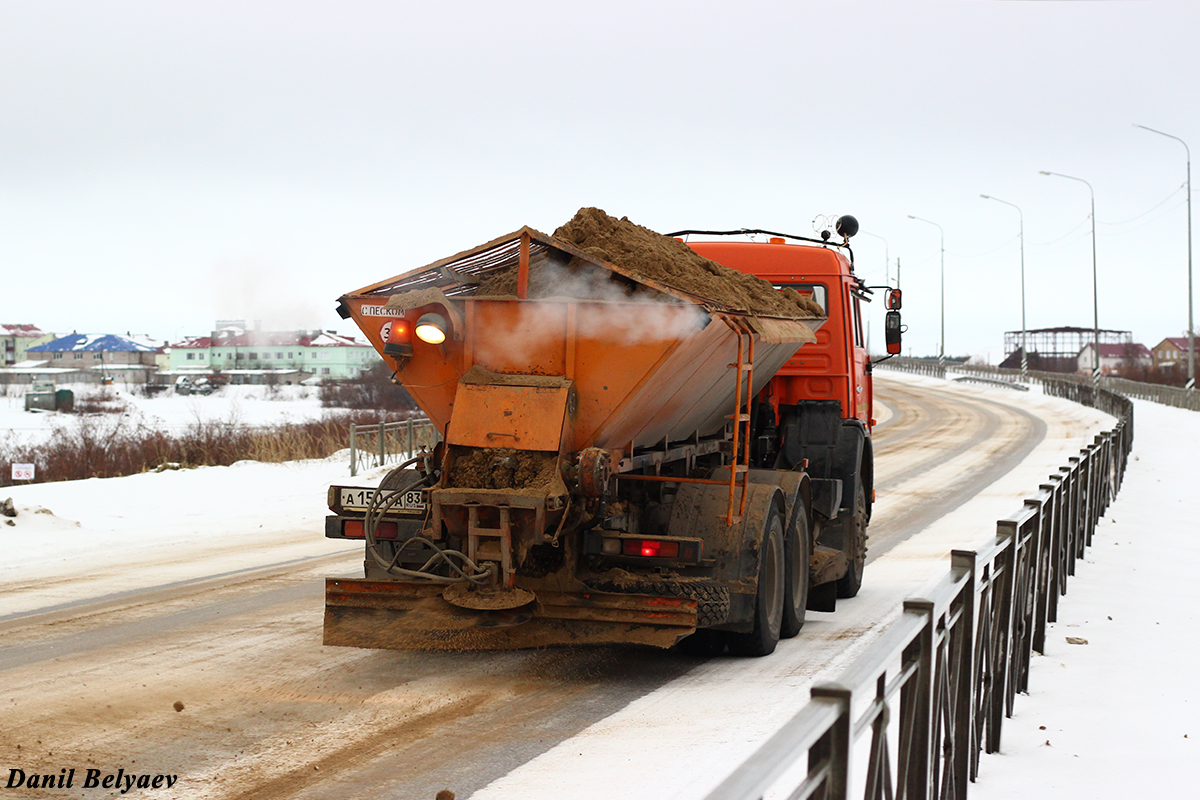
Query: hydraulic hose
{"points": [[380, 504]]}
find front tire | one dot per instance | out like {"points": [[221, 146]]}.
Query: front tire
{"points": [[856, 546], [768, 605]]}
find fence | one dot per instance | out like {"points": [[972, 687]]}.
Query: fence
{"points": [[938, 684], [1167, 395], [375, 445]]}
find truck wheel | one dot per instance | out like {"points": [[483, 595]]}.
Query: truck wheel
{"points": [[768, 605], [797, 552], [856, 546]]}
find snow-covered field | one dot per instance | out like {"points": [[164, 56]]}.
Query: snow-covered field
{"points": [[247, 405]]}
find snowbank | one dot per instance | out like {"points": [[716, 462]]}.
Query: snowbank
{"points": [[77, 540], [1119, 716]]}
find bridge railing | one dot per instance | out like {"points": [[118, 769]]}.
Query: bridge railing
{"points": [[1166, 395], [911, 716], [389, 442]]}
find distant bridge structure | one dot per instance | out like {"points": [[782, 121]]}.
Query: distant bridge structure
{"points": [[1056, 349]]}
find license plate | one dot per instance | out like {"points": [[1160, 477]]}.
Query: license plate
{"points": [[359, 498]]}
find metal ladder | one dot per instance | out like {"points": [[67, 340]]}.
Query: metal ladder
{"points": [[479, 546], [741, 419]]}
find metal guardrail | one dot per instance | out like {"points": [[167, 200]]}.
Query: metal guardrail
{"points": [[375, 445], [1166, 395], [938, 684], [1007, 384]]}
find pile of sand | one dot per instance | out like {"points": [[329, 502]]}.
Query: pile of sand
{"points": [[663, 260], [502, 468]]}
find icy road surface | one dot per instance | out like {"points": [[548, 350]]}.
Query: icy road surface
{"points": [[204, 588]]}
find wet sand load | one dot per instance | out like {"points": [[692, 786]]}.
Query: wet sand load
{"points": [[502, 468], [657, 258]]}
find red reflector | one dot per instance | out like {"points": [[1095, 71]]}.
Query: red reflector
{"points": [[353, 529], [650, 548]]}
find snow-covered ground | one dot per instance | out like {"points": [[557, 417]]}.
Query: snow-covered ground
{"points": [[247, 405], [1119, 716], [106, 536]]}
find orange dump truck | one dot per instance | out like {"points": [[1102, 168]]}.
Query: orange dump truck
{"points": [[623, 461]]}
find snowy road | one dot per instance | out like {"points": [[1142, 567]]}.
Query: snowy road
{"points": [[229, 626]]}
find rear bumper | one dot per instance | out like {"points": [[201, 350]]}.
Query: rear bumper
{"points": [[396, 615]]}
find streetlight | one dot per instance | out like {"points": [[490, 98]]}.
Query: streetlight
{"points": [[1095, 290], [942, 346], [1021, 235], [887, 259], [1191, 382]]}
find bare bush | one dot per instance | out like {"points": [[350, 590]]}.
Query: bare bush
{"points": [[372, 390], [105, 401], [1167, 375]]}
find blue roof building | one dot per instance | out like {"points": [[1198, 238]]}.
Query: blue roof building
{"points": [[97, 342], [91, 358]]}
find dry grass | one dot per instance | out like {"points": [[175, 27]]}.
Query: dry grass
{"points": [[109, 445]]}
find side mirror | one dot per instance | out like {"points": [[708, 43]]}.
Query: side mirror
{"points": [[891, 331], [893, 299]]}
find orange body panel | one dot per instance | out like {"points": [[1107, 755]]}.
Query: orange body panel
{"points": [[522, 417]]}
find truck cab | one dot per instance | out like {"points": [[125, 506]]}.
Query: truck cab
{"points": [[816, 412]]}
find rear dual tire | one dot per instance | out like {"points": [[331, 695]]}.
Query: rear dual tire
{"points": [[769, 600], [797, 552]]}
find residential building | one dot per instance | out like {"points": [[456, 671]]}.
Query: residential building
{"points": [[1114, 357], [1172, 351], [92, 358], [16, 339], [260, 356]]}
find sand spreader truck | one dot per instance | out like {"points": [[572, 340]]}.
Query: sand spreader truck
{"points": [[640, 445]]}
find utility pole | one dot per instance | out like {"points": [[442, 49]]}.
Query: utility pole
{"points": [[1191, 378], [942, 346], [1095, 290], [1021, 234]]}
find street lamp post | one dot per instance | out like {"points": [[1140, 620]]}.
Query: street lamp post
{"points": [[942, 346], [1095, 290], [1191, 381], [887, 259], [1021, 235]]}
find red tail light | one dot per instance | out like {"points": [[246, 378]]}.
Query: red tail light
{"points": [[353, 529], [650, 548]]}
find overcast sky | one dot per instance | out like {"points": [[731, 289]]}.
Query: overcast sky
{"points": [[164, 165]]}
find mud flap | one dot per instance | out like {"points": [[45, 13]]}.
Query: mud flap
{"points": [[822, 598], [826, 567], [395, 615]]}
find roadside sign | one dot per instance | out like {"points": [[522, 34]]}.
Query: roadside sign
{"points": [[22, 472]]}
